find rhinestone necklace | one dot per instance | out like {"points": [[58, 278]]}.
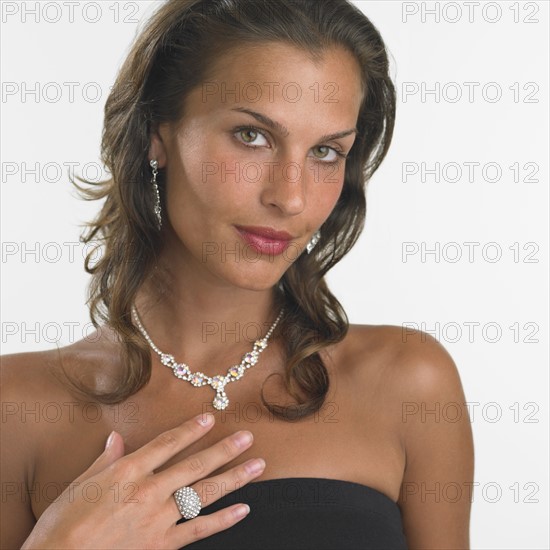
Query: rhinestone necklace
{"points": [[198, 379]]}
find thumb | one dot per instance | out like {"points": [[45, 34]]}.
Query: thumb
{"points": [[114, 449]]}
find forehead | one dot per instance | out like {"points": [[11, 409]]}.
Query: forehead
{"points": [[284, 79]]}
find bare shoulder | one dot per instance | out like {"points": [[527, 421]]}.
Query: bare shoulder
{"points": [[89, 360], [24, 376], [29, 385], [37, 400], [418, 377], [24, 389], [39, 409], [414, 363]]}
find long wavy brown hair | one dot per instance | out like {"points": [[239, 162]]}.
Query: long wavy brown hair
{"points": [[171, 56]]}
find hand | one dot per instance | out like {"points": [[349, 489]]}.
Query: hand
{"points": [[142, 512]]}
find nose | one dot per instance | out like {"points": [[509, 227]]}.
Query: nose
{"points": [[285, 187]]}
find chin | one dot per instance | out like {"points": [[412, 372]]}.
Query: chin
{"points": [[258, 280]]}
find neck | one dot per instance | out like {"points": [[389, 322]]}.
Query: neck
{"points": [[207, 324]]}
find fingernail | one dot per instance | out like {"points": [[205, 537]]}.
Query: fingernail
{"points": [[255, 466], [241, 511], [243, 439], [110, 440], [205, 419]]}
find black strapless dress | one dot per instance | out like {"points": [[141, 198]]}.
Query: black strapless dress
{"points": [[308, 513]]}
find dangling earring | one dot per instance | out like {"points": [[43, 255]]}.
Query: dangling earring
{"points": [[154, 165], [313, 241]]}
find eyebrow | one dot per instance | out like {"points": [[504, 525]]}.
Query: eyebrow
{"points": [[283, 130]]}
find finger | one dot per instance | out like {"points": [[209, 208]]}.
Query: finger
{"points": [[167, 444], [205, 526], [214, 488], [217, 487], [202, 463], [112, 453]]}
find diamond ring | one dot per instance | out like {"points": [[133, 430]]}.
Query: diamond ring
{"points": [[188, 501]]}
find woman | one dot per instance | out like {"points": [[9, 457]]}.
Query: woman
{"points": [[239, 136]]}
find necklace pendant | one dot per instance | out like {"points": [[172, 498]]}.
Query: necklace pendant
{"points": [[261, 344], [181, 371], [167, 360], [198, 379], [236, 372], [218, 383], [220, 401], [251, 358]]}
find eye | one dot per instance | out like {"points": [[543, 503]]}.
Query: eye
{"points": [[327, 154], [249, 136]]}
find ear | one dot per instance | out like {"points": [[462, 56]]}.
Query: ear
{"points": [[158, 146]]}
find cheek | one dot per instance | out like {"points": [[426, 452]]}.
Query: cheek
{"points": [[327, 186], [216, 184], [204, 187]]}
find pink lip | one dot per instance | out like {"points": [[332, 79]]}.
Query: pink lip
{"points": [[265, 239], [266, 232]]}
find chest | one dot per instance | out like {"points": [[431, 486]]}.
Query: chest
{"points": [[353, 437]]}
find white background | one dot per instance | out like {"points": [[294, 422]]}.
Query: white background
{"points": [[471, 302]]}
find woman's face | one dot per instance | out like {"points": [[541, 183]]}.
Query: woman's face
{"points": [[261, 144]]}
